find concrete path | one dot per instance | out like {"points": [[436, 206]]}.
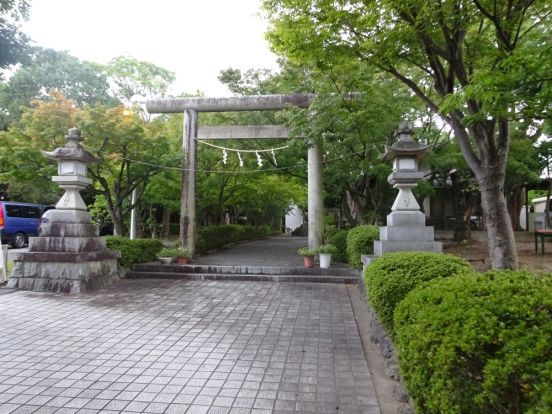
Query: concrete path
{"points": [[164, 346]]}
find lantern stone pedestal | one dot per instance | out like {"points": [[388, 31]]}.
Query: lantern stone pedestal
{"points": [[68, 256], [406, 229]]}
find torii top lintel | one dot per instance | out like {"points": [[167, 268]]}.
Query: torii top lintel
{"points": [[230, 104]]}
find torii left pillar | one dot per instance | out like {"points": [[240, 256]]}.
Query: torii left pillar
{"points": [[189, 174]]}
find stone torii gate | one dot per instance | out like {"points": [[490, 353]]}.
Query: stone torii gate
{"points": [[190, 107]]}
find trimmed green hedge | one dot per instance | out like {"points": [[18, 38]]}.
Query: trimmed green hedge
{"points": [[360, 240], [339, 240], [389, 278], [134, 251], [214, 237], [478, 343]]}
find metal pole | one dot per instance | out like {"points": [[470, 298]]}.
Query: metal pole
{"points": [[133, 215]]}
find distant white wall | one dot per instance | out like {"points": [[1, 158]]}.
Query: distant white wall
{"points": [[539, 204], [426, 204], [294, 219], [523, 218]]}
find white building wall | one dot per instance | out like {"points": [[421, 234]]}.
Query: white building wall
{"points": [[294, 219]]}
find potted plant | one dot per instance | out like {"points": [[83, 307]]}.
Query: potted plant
{"points": [[325, 251], [308, 256], [184, 255], [171, 255]]}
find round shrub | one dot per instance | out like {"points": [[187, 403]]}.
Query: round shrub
{"points": [[478, 343], [339, 240], [360, 240], [389, 278], [134, 251]]}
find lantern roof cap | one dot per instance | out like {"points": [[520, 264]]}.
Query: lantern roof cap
{"points": [[72, 151], [404, 145]]}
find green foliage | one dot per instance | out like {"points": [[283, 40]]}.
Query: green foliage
{"points": [[478, 343], [132, 77], [13, 43], [339, 240], [22, 166], [360, 240], [327, 248], [480, 65], [134, 251], [52, 71], [215, 237], [391, 277], [305, 251], [173, 252]]}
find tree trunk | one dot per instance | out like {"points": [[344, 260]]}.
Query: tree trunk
{"points": [[166, 223], [489, 167], [501, 240], [515, 205], [117, 223], [462, 229]]}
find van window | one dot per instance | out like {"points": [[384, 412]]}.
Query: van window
{"points": [[23, 211]]}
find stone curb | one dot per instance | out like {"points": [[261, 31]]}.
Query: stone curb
{"points": [[380, 354]]}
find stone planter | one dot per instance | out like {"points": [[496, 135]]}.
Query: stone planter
{"points": [[325, 260], [167, 260]]}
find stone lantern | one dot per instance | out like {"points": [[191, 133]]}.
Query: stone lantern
{"points": [[72, 160], [406, 229], [68, 256], [405, 154]]}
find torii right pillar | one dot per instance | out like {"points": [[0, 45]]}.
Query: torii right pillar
{"points": [[406, 229]]}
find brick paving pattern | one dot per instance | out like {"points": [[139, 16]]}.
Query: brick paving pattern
{"points": [[161, 346]]}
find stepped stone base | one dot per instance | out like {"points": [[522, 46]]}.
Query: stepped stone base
{"points": [[381, 246], [68, 257], [405, 231]]}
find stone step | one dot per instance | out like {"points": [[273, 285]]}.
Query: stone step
{"points": [[242, 277], [245, 270]]}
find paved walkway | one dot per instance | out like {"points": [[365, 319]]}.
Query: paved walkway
{"points": [[161, 346], [273, 251]]}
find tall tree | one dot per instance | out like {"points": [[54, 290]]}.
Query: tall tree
{"points": [[23, 169], [132, 77], [13, 43], [49, 70], [478, 63], [131, 152]]}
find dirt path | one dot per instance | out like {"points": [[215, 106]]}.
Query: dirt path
{"points": [[477, 253]]}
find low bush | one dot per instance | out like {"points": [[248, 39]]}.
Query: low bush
{"points": [[326, 249], [339, 240], [214, 237], [360, 240], [173, 252], [305, 251], [478, 343], [389, 278], [134, 251]]}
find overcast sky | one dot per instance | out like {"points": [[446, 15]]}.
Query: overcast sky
{"points": [[193, 38]]}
